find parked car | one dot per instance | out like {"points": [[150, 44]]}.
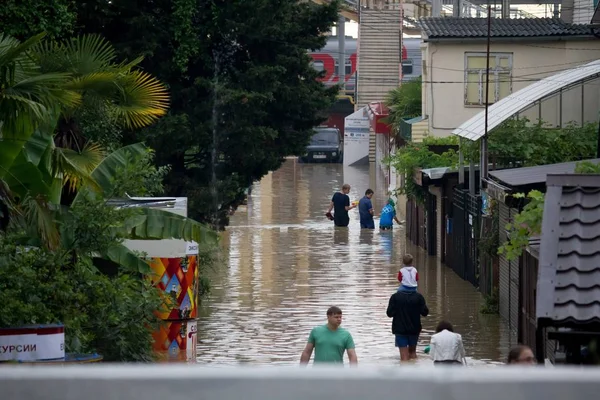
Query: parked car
{"points": [[325, 146]]}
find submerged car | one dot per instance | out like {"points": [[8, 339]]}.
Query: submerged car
{"points": [[325, 146]]}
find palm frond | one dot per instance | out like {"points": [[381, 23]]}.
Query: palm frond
{"points": [[28, 96], [105, 172], [39, 215], [78, 56], [75, 168], [12, 51], [143, 100]]}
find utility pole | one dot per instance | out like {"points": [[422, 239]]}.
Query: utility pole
{"points": [[341, 32], [456, 8], [483, 148]]}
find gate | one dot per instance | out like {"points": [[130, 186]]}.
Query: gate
{"points": [[415, 223], [457, 237], [466, 219], [528, 275]]}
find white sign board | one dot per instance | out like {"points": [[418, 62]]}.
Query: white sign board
{"points": [[356, 137], [192, 340], [191, 248], [32, 346]]}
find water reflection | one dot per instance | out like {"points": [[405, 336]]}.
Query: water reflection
{"points": [[288, 264]]}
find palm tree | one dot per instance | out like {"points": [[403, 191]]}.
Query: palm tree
{"points": [[404, 102], [51, 155], [29, 98], [135, 97]]}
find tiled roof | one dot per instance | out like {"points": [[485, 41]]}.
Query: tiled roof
{"points": [[569, 270], [452, 27]]}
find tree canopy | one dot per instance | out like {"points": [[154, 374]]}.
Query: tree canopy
{"points": [[243, 93]]}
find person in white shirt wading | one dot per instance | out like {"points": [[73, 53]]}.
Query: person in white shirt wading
{"points": [[446, 346]]}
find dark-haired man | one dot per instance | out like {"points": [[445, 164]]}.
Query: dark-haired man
{"points": [[340, 204], [365, 209], [330, 341]]}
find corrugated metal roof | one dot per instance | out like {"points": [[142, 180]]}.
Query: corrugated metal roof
{"points": [[569, 271], [471, 28], [532, 175], [518, 101]]}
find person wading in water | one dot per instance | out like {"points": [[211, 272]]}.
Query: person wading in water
{"points": [[446, 346], [521, 355], [330, 341], [406, 309], [365, 209], [340, 204]]}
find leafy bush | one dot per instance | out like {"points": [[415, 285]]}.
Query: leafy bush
{"points": [[417, 155], [518, 142], [491, 303], [528, 222], [587, 167], [113, 316]]}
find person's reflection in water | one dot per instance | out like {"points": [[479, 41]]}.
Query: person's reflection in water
{"points": [[341, 235], [387, 245], [366, 237]]}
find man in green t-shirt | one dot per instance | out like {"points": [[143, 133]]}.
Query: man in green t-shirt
{"points": [[330, 341]]}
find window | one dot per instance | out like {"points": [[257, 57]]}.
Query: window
{"points": [[348, 67], [318, 65], [475, 74], [407, 67]]}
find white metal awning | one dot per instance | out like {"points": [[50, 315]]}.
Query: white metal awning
{"points": [[519, 101]]}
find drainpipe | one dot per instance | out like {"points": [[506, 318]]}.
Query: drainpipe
{"points": [[436, 8], [598, 146]]}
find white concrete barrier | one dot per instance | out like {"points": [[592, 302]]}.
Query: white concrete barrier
{"points": [[175, 382]]}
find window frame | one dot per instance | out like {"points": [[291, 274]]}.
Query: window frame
{"points": [[496, 71], [348, 69], [408, 65]]}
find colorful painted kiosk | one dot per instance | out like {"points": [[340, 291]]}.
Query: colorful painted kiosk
{"points": [[175, 272]]}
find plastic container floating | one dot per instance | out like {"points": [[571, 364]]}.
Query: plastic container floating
{"points": [[32, 343]]}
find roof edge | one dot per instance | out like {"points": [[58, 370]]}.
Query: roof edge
{"points": [[587, 180], [506, 39]]}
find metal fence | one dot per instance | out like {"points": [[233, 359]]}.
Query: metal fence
{"points": [[464, 239]]}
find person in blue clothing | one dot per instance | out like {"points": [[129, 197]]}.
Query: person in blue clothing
{"points": [[340, 204], [365, 209], [388, 216]]}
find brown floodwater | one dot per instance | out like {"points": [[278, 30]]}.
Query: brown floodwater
{"points": [[286, 264]]}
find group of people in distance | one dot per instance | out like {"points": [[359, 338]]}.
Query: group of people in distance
{"points": [[340, 205], [406, 307]]}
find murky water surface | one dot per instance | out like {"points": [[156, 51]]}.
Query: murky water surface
{"points": [[287, 264]]}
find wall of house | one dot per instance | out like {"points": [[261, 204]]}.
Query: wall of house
{"points": [[583, 11], [443, 95]]}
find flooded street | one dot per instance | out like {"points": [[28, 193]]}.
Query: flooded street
{"points": [[287, 264]]}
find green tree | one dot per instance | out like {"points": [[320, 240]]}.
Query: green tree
{"points": [[25, 18], [244, 94]]}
